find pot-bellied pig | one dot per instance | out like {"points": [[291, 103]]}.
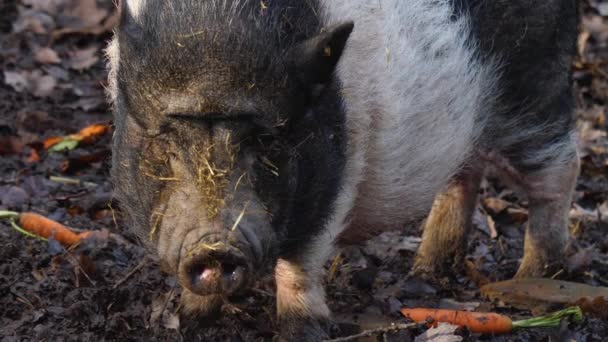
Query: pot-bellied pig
{"points": [[263, 133]]}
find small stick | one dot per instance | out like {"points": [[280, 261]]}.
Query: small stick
{"points": [[131, 273], [74, 181], [382, 330]]}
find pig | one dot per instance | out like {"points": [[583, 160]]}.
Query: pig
{"points": [[258, 134]]}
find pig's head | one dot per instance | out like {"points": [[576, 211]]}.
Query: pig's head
{"points": [[229, 142]]}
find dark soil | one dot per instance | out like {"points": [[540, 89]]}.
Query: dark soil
{"points": [[110, 288]]}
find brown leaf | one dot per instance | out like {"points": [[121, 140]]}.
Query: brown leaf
{"points": [[477, 277], [34, 21], [83, 59], [47, 56], [597, 307], [541, 293], [442, 333], [35, 82], [519, 215], [10, 145], [75, 164], [495, 205], [87, 11]]}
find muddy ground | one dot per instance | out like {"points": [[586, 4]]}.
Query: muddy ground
{"points": [[110, 288]]}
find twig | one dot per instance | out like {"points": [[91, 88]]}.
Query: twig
{"points": [[74, 181], [382, 330], [131, 273]]}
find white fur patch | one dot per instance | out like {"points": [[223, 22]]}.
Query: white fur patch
{"points": [[415, 96], [112, 53], [135, 7]]}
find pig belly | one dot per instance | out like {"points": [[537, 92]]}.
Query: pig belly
{"points": [[414, 93]]}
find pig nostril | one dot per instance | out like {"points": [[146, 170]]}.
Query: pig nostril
{"points": [[205, 276], [228, 269]]}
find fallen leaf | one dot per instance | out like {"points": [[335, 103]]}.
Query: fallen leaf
{"points": [[597, 27], [597, 307], [519, 215], [87, 11], [34, 21], [87, 135], [75, 164], [472, 272], [540, 293], [47, 55], [442, 333], [579, 213], [10, 145], [495, 205], [16, 80], [409, 243], [35, 82], [83, 59], [34, 157]]}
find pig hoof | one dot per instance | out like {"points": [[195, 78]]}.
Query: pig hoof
{"points": [[303, 329], [196, 306]]}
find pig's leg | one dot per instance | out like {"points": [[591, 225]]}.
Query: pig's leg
{"points": [[549, 195], [301, 308], [445, 231]]}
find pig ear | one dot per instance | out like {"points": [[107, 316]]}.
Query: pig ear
{"points": [[316, 58]]}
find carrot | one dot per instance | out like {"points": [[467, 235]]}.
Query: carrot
{"points": [[478, 322], [86, 135], [487, 322], [91, 132], [36, 225]]}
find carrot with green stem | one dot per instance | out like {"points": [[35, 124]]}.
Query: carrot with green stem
{"points": [[488, 322], [38, 226]]}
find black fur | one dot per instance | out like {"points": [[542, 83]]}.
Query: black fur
{"points": [[534, 42]]}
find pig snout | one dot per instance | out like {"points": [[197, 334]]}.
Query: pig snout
{"points": [[215, 268]]}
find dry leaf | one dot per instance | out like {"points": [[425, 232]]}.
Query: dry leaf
{"points": [[47, 56], [442, 333], [495, 205], [540, 293], [83, 59], [35, 82]]}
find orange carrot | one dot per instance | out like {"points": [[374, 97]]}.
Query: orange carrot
{"points": [[36, 225], [477, 322], [51, 141], [91, 132], [45, 227], [86, 135], [488, 322]]}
